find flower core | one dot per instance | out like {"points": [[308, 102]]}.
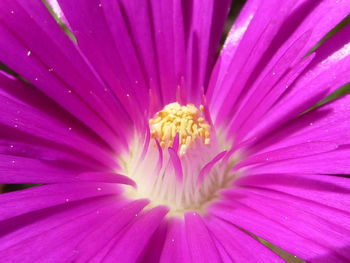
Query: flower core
{"points": [[186, 121], [181, 162]]}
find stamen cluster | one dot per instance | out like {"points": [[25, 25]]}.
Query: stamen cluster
{"points": [[186, 121]]}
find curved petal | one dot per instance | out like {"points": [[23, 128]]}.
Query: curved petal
{"points": [[135, 238], [33, 120], [269, 31], [58, 67], [19, 228], [107, 230], [238, 244], [200, 242], [62, 236], [329, 123], [270, 229], [35, 198], [326, 190], [175, 247], [302, 218], [290, 152], [153, 251], [319, 80], [158, 45], [332, 162]]}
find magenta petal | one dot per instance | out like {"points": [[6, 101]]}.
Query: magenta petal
{"points": [[154, 45], [271, 29], [62, 239], [104, 38], [290, 152], [18, 144], [175, 159], [329, 191], [109, 229], [239, 244], [203, 39], [200, 242], [257, 38], [206, 169], [251, 104], [320, 16], [323, 78], [327, 123], [105, 178], [130, 245], [21, 202], [33, 118], [229, 49], [57, 68], [14, 169], [16, 229], [274, 95], [153, 251], [270, 230], [305, 222], [333, 162], [175, 247]]}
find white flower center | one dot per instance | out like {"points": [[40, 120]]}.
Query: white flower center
{"points": [[181, 163]]}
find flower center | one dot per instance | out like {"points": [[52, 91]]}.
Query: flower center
{"points": [[180, 163], [186, 121]]}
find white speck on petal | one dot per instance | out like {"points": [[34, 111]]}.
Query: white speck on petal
{"points": [[28, 53]]}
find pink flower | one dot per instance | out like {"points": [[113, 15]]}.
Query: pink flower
{"points": [[151, 147]]}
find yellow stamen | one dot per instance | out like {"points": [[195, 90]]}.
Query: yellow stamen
{"points": [[187, 121]]}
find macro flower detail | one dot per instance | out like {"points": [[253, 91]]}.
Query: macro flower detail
{"points": [[179, 167], [149, 141], [183, 120]]}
